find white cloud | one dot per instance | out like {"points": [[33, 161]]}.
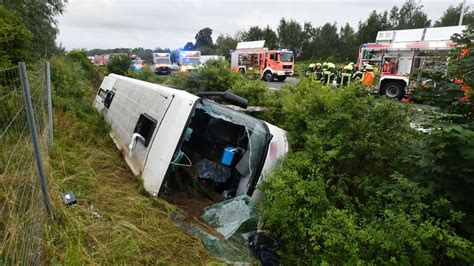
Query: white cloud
{"points": [[148, 23]]}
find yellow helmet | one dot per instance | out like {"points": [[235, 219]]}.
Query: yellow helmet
{"points": [[325, 64], [318, 64], [348, 67], [369, 67], [331, 65], [312, 65]]}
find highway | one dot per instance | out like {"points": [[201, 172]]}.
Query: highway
{"points": [[276, 85]]}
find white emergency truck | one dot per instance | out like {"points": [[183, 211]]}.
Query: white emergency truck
{"points": [[397, 54], [162, 63], [161, 131]]}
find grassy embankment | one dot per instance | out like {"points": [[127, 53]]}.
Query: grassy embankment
{"points": [[114, 222]]}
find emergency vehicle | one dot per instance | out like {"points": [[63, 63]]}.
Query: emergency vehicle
{"points": [[254, 59], [189, 61], [397, 55], [162, 63]]}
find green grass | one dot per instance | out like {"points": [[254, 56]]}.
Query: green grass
{"points": [[114, 222]]}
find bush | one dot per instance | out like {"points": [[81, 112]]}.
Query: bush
{"points": [[119, 64], [446, 155], [342, 195], [80, 56], [146, 74], [254, 91], [217, 76], [212, 76]]}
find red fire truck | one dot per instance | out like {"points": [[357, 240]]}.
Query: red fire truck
{"points": [[396, 55], [253, 58]]}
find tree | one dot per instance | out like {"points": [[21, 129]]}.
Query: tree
{"points": [[14, 38], [254, 33], [189, 46], [119, 64], [347, 41], [309, 47], [204, 41], [145, 54], [327, 41], [451, 17], [224, 44], [410, 16], [290, 36], [40, 18], [374, 23], [270, 37]]}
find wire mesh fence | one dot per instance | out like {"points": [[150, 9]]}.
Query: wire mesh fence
{"points": [[22, 208]]}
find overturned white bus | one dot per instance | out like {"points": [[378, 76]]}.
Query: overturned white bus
{"points": [[161, 129]]}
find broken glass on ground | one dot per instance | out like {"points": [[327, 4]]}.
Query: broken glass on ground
{"points": [[229, 215], [232, 219]]}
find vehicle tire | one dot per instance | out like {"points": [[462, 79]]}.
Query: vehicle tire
{"points": [[281, 79], [268, 76], [393, 90]]}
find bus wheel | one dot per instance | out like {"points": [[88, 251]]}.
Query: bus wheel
{"points": [[268, 76], [393, 90], [281, 78]]}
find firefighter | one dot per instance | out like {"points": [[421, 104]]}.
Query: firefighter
{"points": [[326, 73], [330, 74], [346, 75], [387, 67], [311, 71], [369, 77], [357, 74], [319, 71]]}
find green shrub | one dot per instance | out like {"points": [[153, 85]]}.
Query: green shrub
{"points": [[80, 56], [119, 64], [446, 155], [212, 76], [217, 76], [146, 74], [254, 91], [342, 196]]}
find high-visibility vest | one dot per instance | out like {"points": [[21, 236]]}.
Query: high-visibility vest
{"points": [[326, 76], [357, 75], [346, 79], [368, 79]]}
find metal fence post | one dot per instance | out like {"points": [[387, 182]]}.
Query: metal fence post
{"points": [[34, 137], [50, 103]]}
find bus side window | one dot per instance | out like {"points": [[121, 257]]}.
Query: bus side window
{"points": [[145, 127], [108, 99]]}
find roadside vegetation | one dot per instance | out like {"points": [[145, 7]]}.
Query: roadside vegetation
{"points": [[115, 221], [361, 187]]}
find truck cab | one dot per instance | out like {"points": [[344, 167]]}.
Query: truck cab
{"points": [[252, 58], [189, 61], [162, 63]]}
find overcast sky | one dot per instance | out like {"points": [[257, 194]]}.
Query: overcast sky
{"points": [[170, 24]]}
